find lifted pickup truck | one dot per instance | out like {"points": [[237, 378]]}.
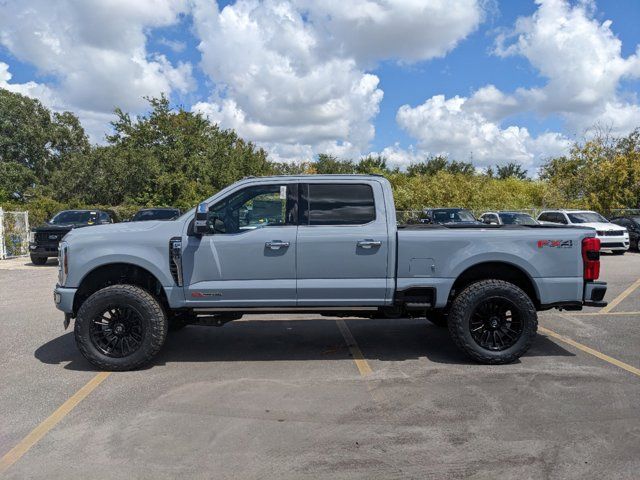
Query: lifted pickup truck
{"points": [[324, 244]]}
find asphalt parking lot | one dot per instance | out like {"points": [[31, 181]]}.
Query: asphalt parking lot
{"points": [[304, 396]]}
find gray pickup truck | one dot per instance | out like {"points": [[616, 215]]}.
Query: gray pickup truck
{"points": [[324, 244]]}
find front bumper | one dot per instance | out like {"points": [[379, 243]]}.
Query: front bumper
{"points": [[617, 243], [594, 293], [43, 250], [63, 298]]}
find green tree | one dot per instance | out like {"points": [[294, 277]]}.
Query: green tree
{"points": [[602, 173], [34, 142], [327, 164], [166, 157], [372, 165], [510, 170], [440, 163]]}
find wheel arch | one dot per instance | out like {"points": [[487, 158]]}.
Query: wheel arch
{"points": [[118, 273], [497, 270]]}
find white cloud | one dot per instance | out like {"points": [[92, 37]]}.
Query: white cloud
{"points": [[292, 75], [175, 45], [29, 89], [94, 51], [456, 128], [276, 87], [405, 30], [581, 59], [492, 104], [397, 156]]}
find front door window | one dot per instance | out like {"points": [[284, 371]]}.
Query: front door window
{"points": [[254, 207]]}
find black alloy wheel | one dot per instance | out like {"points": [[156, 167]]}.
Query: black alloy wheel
{"points": [[118, 331], [496, 324], [493, 321], [120, 327]]}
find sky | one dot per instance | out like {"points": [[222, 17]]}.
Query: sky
{"points": [[486, 81]]}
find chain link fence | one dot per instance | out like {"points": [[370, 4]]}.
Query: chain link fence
{"points": [[14, 234]]}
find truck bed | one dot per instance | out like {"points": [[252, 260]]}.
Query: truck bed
{"points": [[434, 256]]}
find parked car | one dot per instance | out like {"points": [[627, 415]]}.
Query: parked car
{"points": [[156, 213], [632, 224], [612, 237], [331, 244], [507, 218], [444, 216], [43, 240]]}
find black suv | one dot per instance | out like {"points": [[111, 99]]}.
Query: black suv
{"points": [[45, 238], [156, 213], [632, 224], [444, 216]]}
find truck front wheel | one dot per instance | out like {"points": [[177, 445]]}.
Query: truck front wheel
{"points": [[493, 321], [121, 327], [37, 260]]}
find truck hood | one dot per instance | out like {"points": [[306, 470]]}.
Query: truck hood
{"points": [[58, 227], [116, 230], [601, 226]]}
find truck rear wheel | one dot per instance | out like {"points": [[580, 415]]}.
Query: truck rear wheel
{"points": [[121, 327], [493, 321]]}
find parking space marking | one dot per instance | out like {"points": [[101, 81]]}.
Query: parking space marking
{"points": [[356, 353], [616, 301], [594, 314], [591, 351], [13, 455]]}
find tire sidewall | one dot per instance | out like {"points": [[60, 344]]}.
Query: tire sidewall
{"points": [[152, 315], [465, 304], [38, 260]]}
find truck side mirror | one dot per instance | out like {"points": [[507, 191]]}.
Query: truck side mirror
{"points": [[200, 226]]}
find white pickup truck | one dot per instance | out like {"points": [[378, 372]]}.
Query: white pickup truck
{"points": [[323, 244]]}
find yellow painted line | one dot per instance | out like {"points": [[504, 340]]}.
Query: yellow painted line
{"points": [[591, 351], [13, 455], [356, 353], [593, 314], [616, 301]]}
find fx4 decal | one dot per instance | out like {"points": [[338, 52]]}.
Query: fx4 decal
{"points": [[555, 243]]}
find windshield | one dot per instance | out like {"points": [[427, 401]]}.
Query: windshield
{"points": [[517, 219], [452, 216], [586, 217], [74, 216], [144, 215]]}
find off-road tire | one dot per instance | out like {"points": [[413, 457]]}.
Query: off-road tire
{"points": [[463, 307], [130, 295], [37, 260], [438, 318]]}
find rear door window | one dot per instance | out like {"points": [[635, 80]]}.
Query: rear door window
{"points": [[338, 204]]}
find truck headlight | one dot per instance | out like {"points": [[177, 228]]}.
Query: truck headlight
{"points": [[63, 263], [32, 237]]}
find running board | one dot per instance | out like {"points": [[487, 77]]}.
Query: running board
{"points": [[250, 310]]}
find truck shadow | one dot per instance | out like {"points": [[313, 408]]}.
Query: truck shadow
{"points": [[297, 340]]}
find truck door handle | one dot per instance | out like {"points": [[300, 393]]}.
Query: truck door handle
{"points": [[369, 243], [276, 244]]}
